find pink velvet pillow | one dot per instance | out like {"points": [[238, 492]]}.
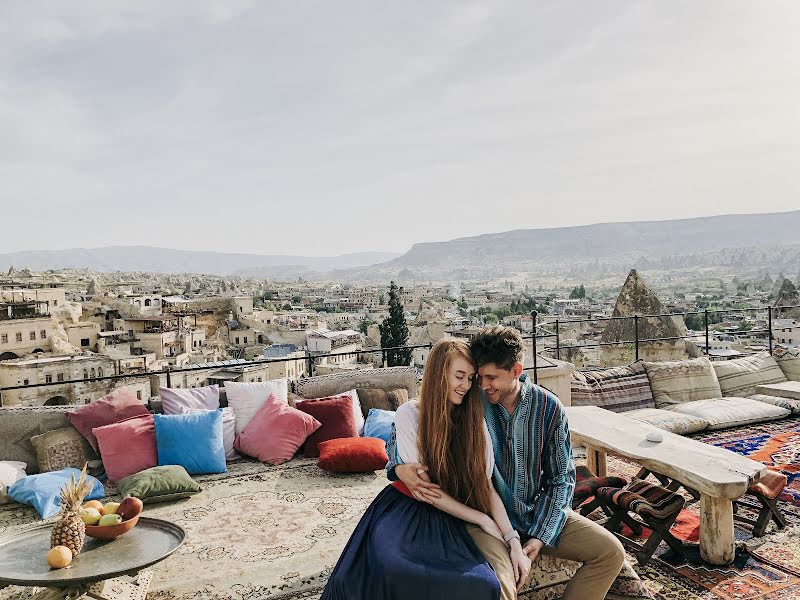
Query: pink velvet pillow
{"points": [[111, 408], [127, 447], [335, 414], [275, 432]]}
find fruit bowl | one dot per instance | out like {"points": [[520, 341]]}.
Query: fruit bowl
{"points": [[111, 532]]}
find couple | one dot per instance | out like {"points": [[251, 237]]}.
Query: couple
{"points": [[482, 483]]}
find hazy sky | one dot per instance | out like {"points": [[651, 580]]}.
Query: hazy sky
{"points": [[321, 128]]}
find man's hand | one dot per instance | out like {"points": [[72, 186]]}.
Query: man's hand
{"points": [[532, 548], [414, 476]]}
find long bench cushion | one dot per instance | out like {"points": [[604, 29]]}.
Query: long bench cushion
{"points": [[731, 412], [739, 377], [669, 420], [789, 361], [678, 381], [788, 403], [617, 389]]}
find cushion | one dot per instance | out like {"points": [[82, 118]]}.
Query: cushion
{"points": [[358, 415], [11, 471], [373, 398], [379, 424], [61, 448], [587, 483], [770, 485], [352, 455], [159, 484], [336, 416], [192, 440], [174, 399], [228, 429], [42, 491], [397, 397], [246, 398], [669, 420], [116, 406], [617, 389], [127, 447], [787, 403], [739, 377], [788, 359], [679, 381], [276, 432], [645, 499], [731, 412]]}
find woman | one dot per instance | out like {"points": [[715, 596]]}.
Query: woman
{"points": [[404, 548]]}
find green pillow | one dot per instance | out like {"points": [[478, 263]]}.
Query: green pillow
{"points": [[159, 484]]}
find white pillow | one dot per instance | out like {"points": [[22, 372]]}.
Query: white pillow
{"points": [[228, 429], [174, 399], [668, 420], [11, 471], [358, 416], [731, 411], [246, 398]]}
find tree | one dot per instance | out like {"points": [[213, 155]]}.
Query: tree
{"points": [[394, 330], [578, 292]]}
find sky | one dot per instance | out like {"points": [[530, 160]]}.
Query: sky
{"points": [[321, 128]]}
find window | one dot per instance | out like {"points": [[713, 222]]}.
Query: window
{"points": [[94, 373], [60, 377], [84, 342], [99, 371], [24, 382], [138, 394], [43, 334], [4, 338], [55, 303], [237, 340], [33, 336], [85, 374], [245, 339], [48, 378], [19, 336]]}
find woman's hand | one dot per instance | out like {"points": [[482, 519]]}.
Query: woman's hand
{"points": [[490, 527], [416, 479], [521, 564]]}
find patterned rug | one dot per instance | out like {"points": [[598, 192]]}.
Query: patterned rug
{"points": [[776, 444]]}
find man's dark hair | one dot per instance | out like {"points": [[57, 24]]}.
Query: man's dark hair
{"points": [[502, 346]]}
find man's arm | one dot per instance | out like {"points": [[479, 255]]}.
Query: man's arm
{"points": [[558, 483]]}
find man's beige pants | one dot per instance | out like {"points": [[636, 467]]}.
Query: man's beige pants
{"points": [[581, 540]]}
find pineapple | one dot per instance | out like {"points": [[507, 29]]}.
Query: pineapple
{"points": [[70, 530]]}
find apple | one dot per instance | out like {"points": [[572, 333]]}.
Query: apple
{"points": [[94, 504], [108, 520], [110, 508], [130, 507], [90, 516]]}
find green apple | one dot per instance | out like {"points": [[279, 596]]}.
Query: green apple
{"points": [[110, 508], [108, 520], [90, 516]]}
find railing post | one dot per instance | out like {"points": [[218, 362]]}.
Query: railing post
{"points": [[558, 342], [310, 364], [769, 327], [705, 321], [169, 379], [636, 335], [534, 315]]}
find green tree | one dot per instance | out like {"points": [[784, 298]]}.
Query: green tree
{"points": [[578, 292], [394, 330]]}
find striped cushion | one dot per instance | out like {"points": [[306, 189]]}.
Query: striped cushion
{"points": [[788, 358], [739, 377], [617, 389], [679, 381], [770, 485], [587, 483], [645, 499], [788, 403]]}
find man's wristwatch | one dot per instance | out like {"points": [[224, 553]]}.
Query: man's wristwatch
{"points": [[510, 536]]}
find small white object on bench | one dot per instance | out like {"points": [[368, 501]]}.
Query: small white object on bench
{"points": [[654, 436]]}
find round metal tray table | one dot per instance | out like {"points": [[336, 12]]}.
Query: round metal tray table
{"points": [[23, 556]]}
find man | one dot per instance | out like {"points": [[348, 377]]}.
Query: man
{"points": [[534, 474]]}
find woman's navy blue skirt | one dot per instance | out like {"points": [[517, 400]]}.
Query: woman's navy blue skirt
{"points": [[403, 549]]}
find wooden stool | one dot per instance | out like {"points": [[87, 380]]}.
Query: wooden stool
{"points": [[654, 507], [586, 486], [766, 491]]}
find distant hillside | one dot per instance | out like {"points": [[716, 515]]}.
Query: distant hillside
{"points": [[165, 260]]}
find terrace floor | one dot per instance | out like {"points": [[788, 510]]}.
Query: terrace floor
{"points": [[276, 532]]}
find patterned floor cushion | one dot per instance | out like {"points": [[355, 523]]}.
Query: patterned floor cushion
{"points": [[788, 358], [731, 412], [669, 420], [616, 389], [788, 403], [739, 377]]}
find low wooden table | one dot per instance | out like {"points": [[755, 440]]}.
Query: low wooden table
{"points": [[787, 389], [719, 475]]}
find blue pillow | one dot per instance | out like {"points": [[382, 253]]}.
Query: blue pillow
{"points": [[379, 424], [42, 491], [191, 440]]}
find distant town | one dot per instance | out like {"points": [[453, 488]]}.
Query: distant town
{"points": [[70, 336]]}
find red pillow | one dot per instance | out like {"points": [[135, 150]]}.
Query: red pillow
{"points": [[128, 447], [111, 408], [352, 455], [336, 416]]}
